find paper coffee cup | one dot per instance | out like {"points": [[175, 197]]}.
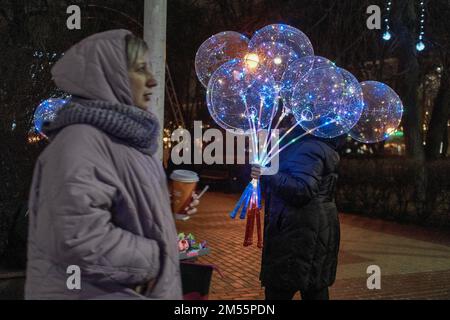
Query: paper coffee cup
{"points": [[183, 184]]}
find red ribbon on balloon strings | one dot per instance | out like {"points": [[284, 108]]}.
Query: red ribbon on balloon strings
{"points": [[248, 241], [253, 213], [258, 226]]}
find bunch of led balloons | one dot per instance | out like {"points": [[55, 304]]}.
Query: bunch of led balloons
{"points": [[247, 81]]}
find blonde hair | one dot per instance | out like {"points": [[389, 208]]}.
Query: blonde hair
{"points": [[136, 47]]}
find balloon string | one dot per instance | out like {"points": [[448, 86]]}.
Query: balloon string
{"points": [[272, 116], [267, 160], [274, 109], [256, 153], [251, 124], [269, 134], [254, 139], [261, 105]]}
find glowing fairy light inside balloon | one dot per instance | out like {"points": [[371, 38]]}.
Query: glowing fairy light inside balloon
{"points": [[278, 46], [251, 60]]}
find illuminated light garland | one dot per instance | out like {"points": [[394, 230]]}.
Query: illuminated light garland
{"points": [[420, 46], [387, 33]]}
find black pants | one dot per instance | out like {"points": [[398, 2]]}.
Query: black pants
{"points": [[272, 294]]}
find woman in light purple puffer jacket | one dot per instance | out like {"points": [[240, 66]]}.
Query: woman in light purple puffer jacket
{"points": [[99, 197]]}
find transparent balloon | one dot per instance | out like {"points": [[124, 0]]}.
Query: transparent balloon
{"points": [[297, 71], [46, 112], [242, 98], [276, 57], [327, 102], [278, 45], [217, 50], [381, 115]]}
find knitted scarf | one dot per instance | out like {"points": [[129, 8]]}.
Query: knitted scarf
{"points": [[135, 127]]}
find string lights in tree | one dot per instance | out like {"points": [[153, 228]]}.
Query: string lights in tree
{"points": [[387, 33], [420, 44]]}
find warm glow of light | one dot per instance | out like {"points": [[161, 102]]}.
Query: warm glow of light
{"points": [[277, 60], [32, 139], [390, 131], [251, 60]]}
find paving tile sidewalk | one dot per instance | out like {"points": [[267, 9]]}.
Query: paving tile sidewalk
{"points": [[414, 261]]}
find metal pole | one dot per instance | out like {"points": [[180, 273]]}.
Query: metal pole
{"points": [[155, 23]]}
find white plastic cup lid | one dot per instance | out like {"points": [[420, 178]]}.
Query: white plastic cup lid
{"points": [[184, 176]]}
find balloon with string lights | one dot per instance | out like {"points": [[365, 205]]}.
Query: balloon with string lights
{"points": [[241, 97], [297, 71], [381, 115], [275, 57], [279, 45], [216, 51], [46, 112], [327, 102]]}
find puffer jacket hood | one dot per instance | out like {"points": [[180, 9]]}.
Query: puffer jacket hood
{"points": [[96, 68]]}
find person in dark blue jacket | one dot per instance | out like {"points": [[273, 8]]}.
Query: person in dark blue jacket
{"points": [[301, 225]]}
